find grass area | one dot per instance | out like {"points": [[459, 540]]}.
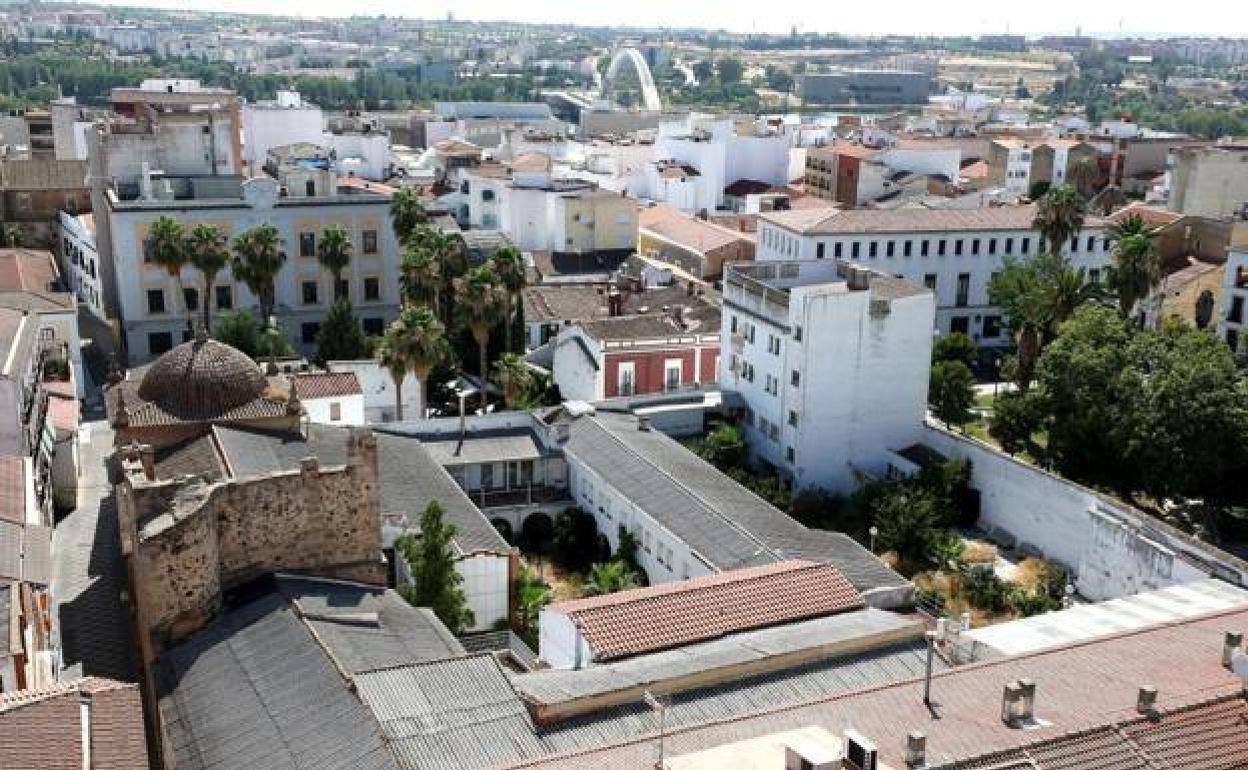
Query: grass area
{"points": [[564, 584]]}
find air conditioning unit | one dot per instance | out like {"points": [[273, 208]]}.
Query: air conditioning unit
{"points": [[860, 751]]}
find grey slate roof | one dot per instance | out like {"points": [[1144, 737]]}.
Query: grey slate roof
{"points": [[725, 523], [368, 628], [410, 477], [256, 692], [484, 447]]}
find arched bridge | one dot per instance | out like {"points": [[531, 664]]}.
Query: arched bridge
{"points": [[649, 92]]}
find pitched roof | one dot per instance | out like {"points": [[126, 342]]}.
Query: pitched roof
{"points": [[25, 552], [326, 384], [1153, 216], [1182, 660], [44, 728], [689, 232], [852, 221], [726, 525], [674, 614]]}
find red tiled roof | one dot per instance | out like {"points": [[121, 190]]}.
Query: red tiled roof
{"points": [[26, 270], [689, 232], [1154, 216], [1079, 688], [43, 728], [326, 385], [674, 614]]}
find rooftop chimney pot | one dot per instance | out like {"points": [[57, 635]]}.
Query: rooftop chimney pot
{"points": [[1232, 642], [916, 749], [1146, 699]]}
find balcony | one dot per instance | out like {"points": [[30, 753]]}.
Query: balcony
{"points": [[529, 495]]}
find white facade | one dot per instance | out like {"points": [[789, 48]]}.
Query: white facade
{"points": [[154, 315], [82, 261], [335, 410], [832, 362], [288, 120], [578, 367], [365, 155], [485, 582], [1235, 298], [934, 249], [377, 390]]}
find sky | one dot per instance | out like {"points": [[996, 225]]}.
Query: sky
{"points": [[1116, 18]]}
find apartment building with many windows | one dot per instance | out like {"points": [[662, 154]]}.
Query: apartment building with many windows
{"points": [[831, 360], [954, 253]]}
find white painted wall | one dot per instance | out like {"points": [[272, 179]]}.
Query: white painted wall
{"points": [[321, 410], [267, 125], [82, 263], [559, 642], [377, 390], [1112, 549], [364, 155], [574, 373]]}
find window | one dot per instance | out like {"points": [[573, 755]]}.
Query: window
{"points": [[309, 187], [374, 327], [342, 288], [627, 378], [905, 248], [964, 289], [992, 326], [923, 247], [1091, 243], [853, 250], [155, 301], [749, 333], [890, 249], [974, 246], [1232, 339], [793, 418], [191, 297], [309, 292], [795, 378], [992, 245], [819, 250], [159, 342], [940, 247], [308, 332], [732, 324], [1094, 275], [872, 249], [370, 242], [1074, 244], [836, 250], [957, 248], [671, 373], [1236, 313], [335, 411], [773, 344], [1026, 246], [790, 455], [307, 244], [487, 476], [225, 297], [487, 196], [1009, 245], [797, 332], [929, 281], [959, 324], [772, 385], [372, 288]]}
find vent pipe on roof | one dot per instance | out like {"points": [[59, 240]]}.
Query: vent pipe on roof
{"points": [[643, 423], [1146, 699], [916, 749], [1230, 645]]}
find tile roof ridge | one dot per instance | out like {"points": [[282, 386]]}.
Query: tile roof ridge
{"points": [[762, 546], [16, 699], [442, 661]]}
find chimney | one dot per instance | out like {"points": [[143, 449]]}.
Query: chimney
{"points": [[147, 456], [916, 749], [643, 423], [1232, 642], [1011, 704], [1029, 699], [1146, 699]]}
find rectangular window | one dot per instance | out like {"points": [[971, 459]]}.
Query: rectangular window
{"points": [[627, 378], [836, 250], [308, 332], [732, 324], [155, 301], [793, 418], [159, 342], [974, 246], [309, 292], [790, 455], [853, 250], [819, 250], [1074, 244], [671, 373], [374, 327], [1009, 245], [225, 297], [370, 242], [1236, 313], [959, 324], [872, 249], [307, 244], [929, 281], [372, 288], [964, 289], [335, 411], [992, 326], [1091, 243], [890, 249], [795, 379], [1025, 247], [940, 247], [1094, 275], [342, 288], [797, 332], [957, 248], [923, 247], [905, 248], [191, 297], [992, 246]]}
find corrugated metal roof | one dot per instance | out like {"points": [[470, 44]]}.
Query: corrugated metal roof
{"points": [[485, 447]]}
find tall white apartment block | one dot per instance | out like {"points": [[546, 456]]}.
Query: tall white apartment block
{"points": [[831, 360], [954, 253]]}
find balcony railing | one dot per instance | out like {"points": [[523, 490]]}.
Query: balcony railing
{"points": [[531, 495]]}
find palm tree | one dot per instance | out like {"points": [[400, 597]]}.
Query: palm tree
{"points": [[209, 252], [416, 342], [479, 306], [420, 277], [1084, 175], [509, 267], [1132, 224], [258, 257], [334, 253], [1059, 216], [1136, 271], [514, 377], [406, 212], [610, 577], [390, 358], [167, 247]]}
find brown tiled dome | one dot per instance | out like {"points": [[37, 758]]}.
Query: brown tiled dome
{"points": [[202, 378]]}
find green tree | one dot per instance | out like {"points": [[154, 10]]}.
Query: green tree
{"points": [[420, 277], [1015, 420], [406, 212], [479, 305], [729, 69], [951, 392], [610, 577], [209, 252], [258, 257], [1059, 216], [1038, 189], [956, 346], [414, 342], [910, 524], [703, 70], [514, 379], [334, 254], [1136, 271], [508, 265], [340, 337], [531, 593], [241, 331], [724, 447], [166, 247], [436, 583]]}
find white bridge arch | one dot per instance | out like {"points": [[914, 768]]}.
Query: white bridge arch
{"points": [[649, 92]]}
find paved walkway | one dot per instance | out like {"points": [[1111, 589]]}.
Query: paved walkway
{"points": [[88, 578]]}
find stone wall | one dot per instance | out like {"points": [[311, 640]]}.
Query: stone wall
{"points": [[1112, 549], [190, 542]]}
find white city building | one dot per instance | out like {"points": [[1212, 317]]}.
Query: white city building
{"points": [[285, 120], [330, 398], [1235, 297], [953, 252], [154, 317], [82, 261], [831, 359]]}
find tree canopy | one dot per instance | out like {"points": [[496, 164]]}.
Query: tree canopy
{"points": [[436, 583]]}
